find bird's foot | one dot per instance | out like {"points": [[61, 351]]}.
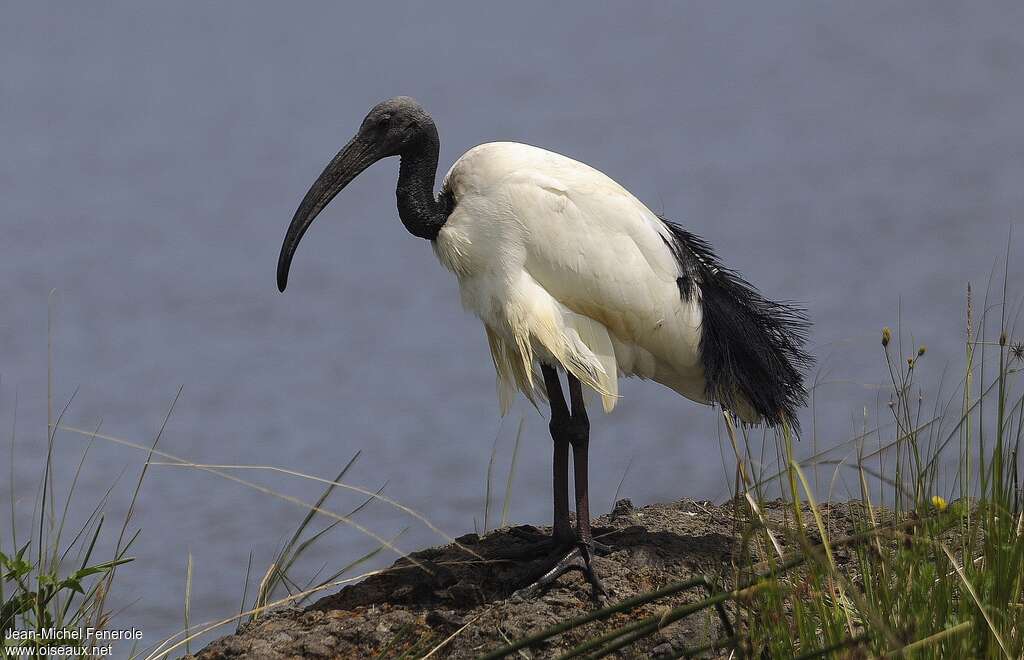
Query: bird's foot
{"points": [[580, 558]]}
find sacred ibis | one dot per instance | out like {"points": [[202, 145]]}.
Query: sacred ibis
{"points": [[570, 272]]}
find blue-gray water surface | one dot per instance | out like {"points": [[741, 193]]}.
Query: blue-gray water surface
{"points": [[865, 159]]}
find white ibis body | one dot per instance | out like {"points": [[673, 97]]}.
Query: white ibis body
{"points": [[568, 271]]}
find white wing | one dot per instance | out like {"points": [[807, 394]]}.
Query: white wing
{"points": [[588, 276]]}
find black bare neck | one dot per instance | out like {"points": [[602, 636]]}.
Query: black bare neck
{"points": [[421, 212]]}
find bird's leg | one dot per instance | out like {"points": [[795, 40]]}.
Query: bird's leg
{"points": [[561, 532], [580, 441], [562, 535], [569, 429]]}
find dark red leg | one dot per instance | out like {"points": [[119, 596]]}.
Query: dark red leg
{"points": [[569, 428], [562, 531], [580, 441]]}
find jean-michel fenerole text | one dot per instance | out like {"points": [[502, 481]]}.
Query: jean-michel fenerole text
{"points": [[72, 635]]}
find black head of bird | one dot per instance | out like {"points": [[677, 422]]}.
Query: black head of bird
{"points": [[396, 127]]}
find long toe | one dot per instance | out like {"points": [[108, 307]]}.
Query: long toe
{"points": [[580, 558], [598, 590]]}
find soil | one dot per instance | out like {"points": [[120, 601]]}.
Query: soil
{"points": [[465, 606]]}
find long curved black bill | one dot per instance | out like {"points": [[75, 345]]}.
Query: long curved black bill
{"points": [[347, 165]]}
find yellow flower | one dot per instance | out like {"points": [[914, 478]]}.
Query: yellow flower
{"points": [[939, 503]]}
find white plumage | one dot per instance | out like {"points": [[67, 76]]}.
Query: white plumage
{"points": [[564, 265]]}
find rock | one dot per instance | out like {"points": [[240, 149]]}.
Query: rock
{"points": [[445, 619]]}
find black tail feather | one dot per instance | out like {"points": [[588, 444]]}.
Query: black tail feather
{"points": [[749, 346]]}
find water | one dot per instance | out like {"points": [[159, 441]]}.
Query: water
{"points": [[863, 159]]}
